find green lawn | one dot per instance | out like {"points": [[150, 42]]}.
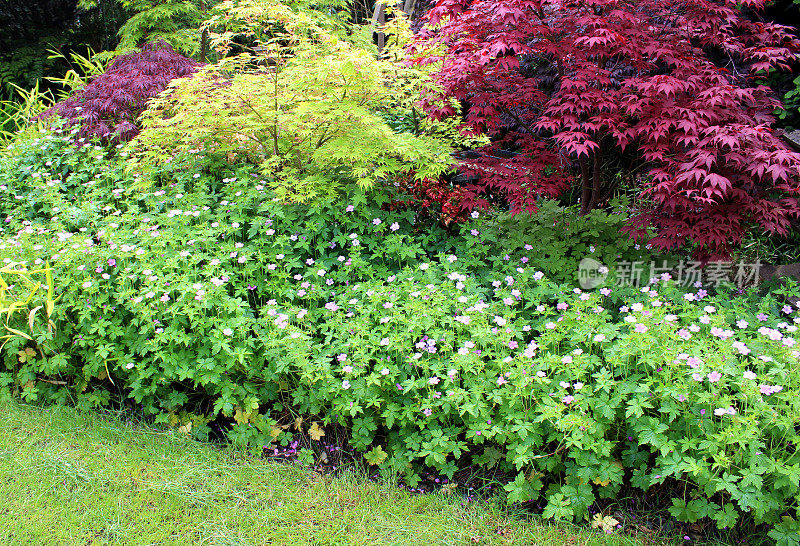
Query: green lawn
{"points": [[70, 478]]}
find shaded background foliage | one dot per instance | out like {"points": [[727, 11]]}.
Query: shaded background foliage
{"points": [[29, 29]]}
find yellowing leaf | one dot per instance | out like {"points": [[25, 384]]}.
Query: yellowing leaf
{"points": [[298, 423], [240, 416], [316, 432], [274, 432], [601, 483], [606, 523], [376, 456], [185, 429]]}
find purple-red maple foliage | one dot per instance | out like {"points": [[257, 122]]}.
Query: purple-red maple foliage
{"points": [[109, 104], [585, 89]]}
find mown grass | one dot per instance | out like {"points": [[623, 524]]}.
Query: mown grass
{"points": [[70, 478]]}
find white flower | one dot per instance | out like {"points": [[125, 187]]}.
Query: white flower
{"points": [[227, 332], [129, 365]]}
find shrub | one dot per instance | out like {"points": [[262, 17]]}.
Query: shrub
{"points": [[309, 123], [598, 87], [109, 105]]}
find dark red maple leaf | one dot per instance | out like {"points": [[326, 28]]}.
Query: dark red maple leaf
{"points": [[582, 90]]}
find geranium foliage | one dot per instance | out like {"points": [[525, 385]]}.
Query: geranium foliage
{"points": [[109, 105], [664, 92]]}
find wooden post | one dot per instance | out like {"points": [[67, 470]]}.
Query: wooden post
{"points": [[409, 6]]}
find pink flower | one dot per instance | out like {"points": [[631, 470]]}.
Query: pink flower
{"points": [[501, 381], [769, 389], [714, 376], [568, 399], [433, 381], [693, 361]]}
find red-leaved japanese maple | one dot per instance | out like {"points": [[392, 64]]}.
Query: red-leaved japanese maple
{"points": [[662, 90], [109, 105]]}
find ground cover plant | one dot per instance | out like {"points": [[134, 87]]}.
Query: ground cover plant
{"points": [[207, 301]]}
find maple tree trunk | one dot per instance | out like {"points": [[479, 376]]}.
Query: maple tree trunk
{"points": [[596, 182], [586, 186]]}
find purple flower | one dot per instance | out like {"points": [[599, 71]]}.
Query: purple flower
{"points": [[762, 317]]}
